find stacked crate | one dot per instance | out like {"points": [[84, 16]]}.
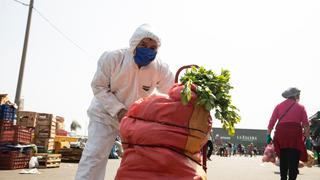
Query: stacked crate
{"points": [[60, 127], [4, 98], [45, 132], [12, 135], [8, 112], [14, 159], [27, 119]]}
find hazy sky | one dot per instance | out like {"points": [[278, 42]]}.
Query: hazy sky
{"points": [[267, 45]]}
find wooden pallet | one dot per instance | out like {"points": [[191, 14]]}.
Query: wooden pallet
{"points": [[49, 160], [71, 158], [49, 164], [70, 154]]}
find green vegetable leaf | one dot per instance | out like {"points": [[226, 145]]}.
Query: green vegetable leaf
{"points": [[212, 93]]}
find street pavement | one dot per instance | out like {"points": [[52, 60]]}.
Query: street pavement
{"points": [[220, 168]]}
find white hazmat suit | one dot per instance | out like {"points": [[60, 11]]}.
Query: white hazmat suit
{"points": [[117, 83]]}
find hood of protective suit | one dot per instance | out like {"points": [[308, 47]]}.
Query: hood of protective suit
{"points": [[143, 31]]}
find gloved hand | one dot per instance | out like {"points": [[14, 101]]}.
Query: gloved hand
{"points": [[121, 114], [268, 139]]}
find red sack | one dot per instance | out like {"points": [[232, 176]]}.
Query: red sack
{"points": [[162, 138]]}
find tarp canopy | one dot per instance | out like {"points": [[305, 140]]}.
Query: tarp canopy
{"points": [[315, 124]]}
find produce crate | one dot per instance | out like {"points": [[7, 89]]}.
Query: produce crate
{"points": [[15, 135], [27, 118], [4, 98], [59, 123], [4, 124], [14, 160], [32, 136], [48, 160], [45, 144], [7, 112], [61, 132], [66, 138], [60, 145], [45, 119], [45, 131]]}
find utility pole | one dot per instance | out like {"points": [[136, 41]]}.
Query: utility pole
{"points": [[23, 58]]}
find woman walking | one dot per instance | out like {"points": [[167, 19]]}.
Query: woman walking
{"points": [[292, 124]]}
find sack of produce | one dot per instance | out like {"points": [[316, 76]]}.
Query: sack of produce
{"points": [[162, 135]]}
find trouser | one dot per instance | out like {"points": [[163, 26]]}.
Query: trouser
{"points": [[210, 148], [92, 165], [289, 162], [221, 151]]}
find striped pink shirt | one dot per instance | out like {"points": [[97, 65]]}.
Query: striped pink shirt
{"points": [[297, 113]]}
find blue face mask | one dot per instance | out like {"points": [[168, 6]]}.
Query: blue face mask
{"points": [[144, 56]]}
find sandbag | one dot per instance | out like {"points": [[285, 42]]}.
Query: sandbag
{"points": [[162, 138]]}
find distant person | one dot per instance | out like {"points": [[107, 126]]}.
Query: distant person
{"points": [[210, 146], [240, 149], [229, 149], [288, 137], [122, 77], [255, 150], [234, 149], [250, 149], [219, 144]]}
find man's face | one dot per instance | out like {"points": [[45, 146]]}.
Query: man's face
{"points": [[148, 43]]}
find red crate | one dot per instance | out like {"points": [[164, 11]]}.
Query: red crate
{"points": [[61, 132], [16, 135], [5, 125], [14, 160]]}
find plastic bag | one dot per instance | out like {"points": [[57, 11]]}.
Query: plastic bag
{"points": [[33, 163], [269, 154], [310, 161]]}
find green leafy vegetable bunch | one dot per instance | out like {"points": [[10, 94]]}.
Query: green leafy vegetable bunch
{"points": [[213, 94]]}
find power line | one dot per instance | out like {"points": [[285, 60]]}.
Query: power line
{"points": [[55, 27], [59, 31], [25, 4]]}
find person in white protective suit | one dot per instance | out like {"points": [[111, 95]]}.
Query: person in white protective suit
{"points": [[122, 77]]}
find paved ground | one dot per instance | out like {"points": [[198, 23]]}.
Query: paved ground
{"points": [[220, 168]]}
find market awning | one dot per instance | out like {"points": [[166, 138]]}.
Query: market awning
{"points": [[316, 116], [315, 124]]}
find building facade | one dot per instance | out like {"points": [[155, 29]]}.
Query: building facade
{"points": [[243, 136]]}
